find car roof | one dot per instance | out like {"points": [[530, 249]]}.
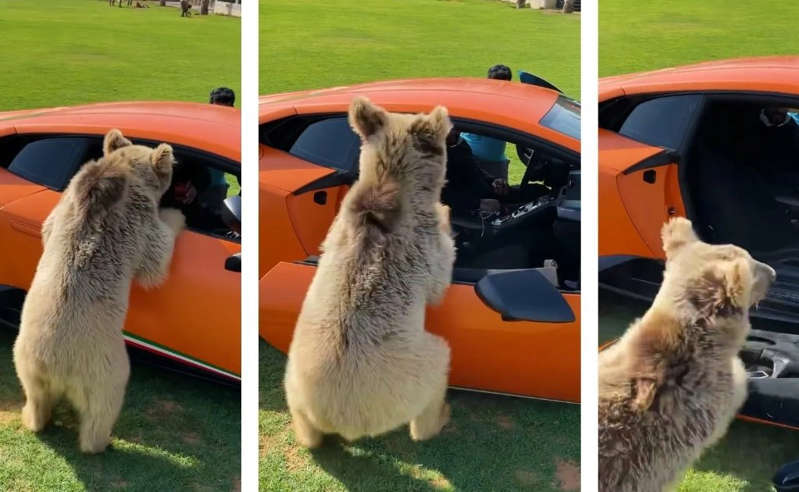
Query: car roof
{"points": [[212, 128], [772, 74], [512, 104]]}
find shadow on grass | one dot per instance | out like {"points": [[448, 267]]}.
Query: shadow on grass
{"points": [[491, 443], [173, 433]]}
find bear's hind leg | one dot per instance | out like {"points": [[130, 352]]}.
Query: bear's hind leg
{"points": [[39, 403], [437, 412], [98, 409], [434, 417], [305, 433]]}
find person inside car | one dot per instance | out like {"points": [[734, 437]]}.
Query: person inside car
{"points": [[189, 193], [466, 183], [489, 151]]}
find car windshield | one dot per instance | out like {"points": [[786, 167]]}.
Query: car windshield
{"points": [[564, 117]]}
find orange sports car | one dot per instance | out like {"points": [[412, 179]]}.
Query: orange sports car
{"points": [[194, 318], [512, 313], [718, 143]]}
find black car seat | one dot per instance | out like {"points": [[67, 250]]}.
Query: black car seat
{"points": [[734, 204]]}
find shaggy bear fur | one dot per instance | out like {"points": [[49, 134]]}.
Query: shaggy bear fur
{"points": [[672, 384], [361, 362], [105, 230]]}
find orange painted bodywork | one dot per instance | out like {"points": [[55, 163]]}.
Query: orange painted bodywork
{"points": [[631, 211], [196, 312], [523, 358]]}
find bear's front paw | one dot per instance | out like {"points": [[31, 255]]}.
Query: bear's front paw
{"points": [[443, 212], [174, 218]]}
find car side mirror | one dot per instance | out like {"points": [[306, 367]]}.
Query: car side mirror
{"points": [[233, 263], [524, 295]]}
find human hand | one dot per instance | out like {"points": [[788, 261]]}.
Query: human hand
{"points": [[501, 187]]}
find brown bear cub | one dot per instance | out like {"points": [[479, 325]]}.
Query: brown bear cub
{"points": [[361, 362], [105, 230], [672, 384]]}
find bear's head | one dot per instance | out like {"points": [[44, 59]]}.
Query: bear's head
{"points": [[153, 167], [709, 280], [406, 151]]}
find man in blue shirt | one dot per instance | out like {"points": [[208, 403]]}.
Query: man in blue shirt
{"points": [[491, 151]]}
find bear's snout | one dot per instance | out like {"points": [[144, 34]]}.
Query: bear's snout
{"points": [[764, 277]]}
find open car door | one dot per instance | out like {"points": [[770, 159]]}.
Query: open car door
{"points": [[639, 191], [510, 331]]}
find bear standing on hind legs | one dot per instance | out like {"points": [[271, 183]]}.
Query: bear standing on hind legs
{"points": [[106, 230], [361, 362]]}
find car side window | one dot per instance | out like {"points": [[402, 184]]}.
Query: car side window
{"points": [[663, 122], [330, 143], [52, 162]]}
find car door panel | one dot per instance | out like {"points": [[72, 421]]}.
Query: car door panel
{"points": [[639, 191], [196, 312], [523, 358], [312, 212]]}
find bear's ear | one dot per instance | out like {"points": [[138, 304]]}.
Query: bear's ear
{"points": [[430, 131], [162, 159], [366, 118], [675, 234], [722, 289], [439, 121], [645, 390], [114, 140]]}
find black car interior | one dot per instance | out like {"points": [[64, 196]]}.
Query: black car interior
{"points": [[742, 178], [536, 225], [52, 160]]}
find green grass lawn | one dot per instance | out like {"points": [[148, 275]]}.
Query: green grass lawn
{"points": [[63, 52], [492, 443], [308, 45], [747, 457], [174, 433], [634, 37]]}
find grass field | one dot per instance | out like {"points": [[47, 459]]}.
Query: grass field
{"points": [[747, 457], [642, 36], [63, 52], [308, 45], [492, 443], [174, 433]]}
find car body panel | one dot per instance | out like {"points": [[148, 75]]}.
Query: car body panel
{"points": [[511, 104], [630, 206], [487, 353], [194, 317], [776, 74]]}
